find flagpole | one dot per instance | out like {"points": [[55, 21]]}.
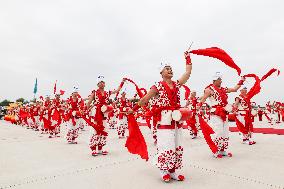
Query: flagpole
{"points": [[35, 89]]}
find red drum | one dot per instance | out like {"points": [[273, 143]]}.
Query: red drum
{"points": [[106, 108], [182, 114]]}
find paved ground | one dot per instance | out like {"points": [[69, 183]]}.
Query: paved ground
{"points": [[29, 160]]}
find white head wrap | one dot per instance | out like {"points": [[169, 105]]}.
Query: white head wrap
{"points": [[100, 78], [244, 87], [163, 65], [75, 89], [217, 75]]}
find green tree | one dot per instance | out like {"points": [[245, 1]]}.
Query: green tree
{"points": [[22, 100], [5, 102]]}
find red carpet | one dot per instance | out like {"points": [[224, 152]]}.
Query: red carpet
{"points": [[262, 130], [256, 130]]}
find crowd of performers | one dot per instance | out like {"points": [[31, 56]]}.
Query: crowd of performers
{"points": [[161, 108]]}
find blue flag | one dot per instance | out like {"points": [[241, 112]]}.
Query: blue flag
{"points": [[35, 87]]}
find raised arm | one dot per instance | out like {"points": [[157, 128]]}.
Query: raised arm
{"points": [[119, 88], [207, 93], [144, 100], [91, 98], [183, 79], [237, 87]]}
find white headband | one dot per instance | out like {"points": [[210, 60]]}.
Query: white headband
{"points": [[244, 87], [163, 65], [217, 75], [100, 79], [75, 89]]}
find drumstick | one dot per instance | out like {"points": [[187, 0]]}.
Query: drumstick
{"points": [[190, 46]]}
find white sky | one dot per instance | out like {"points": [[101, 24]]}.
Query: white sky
{"points": [[74, 41]]}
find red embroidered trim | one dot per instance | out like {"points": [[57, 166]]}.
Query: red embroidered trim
{"points": [[222, 93]]}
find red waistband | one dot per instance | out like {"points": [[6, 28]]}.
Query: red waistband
{"points": [[221, 112], [172, 126]]}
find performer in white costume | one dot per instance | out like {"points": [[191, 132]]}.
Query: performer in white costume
{"points": [[220, 109]]}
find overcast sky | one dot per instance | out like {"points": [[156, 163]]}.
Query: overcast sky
{"points": [[75, 41]]}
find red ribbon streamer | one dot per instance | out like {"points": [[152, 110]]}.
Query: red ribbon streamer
{"points": [[248, 127], [207, 131], [138, 90], [135, 143], [241, 126], [269, 73], [256, 87], [220, 54], [187, 92]]}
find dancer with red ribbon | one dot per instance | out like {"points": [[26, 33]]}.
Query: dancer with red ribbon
{"points": [[193, 122], [243, 107], [123, 105], [244, 116], [169, 147], [36, 111], [218, 137], [100, 98], [74, 115], [56, 116], [46, 115]]}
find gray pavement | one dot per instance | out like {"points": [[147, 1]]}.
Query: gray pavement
{"points": [[30, 160]]}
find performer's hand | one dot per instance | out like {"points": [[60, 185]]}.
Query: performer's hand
{"points": [[242, 80], [187, 58], [186, 54]]}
